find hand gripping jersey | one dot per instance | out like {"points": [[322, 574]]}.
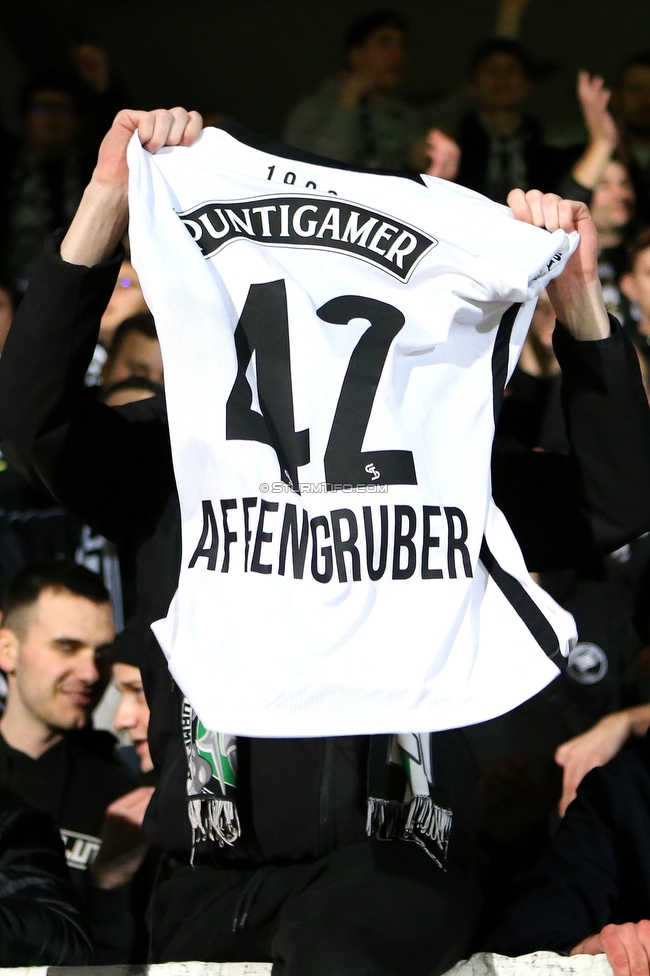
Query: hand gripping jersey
{"points": [[335, 346]]}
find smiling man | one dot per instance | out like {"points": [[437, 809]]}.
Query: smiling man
{"points": [[56, 626]]}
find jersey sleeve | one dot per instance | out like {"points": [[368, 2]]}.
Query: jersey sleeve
{"points": [[506, 259]]}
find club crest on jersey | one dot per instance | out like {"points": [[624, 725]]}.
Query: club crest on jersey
{"points": [[296, 221]]}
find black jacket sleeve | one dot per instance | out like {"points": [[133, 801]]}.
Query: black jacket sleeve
{"points": [[110, 466], [596, 870], [40, 924], [566, 510]]}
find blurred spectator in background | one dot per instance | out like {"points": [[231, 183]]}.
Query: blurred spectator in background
{"points": [[632, 106], [135, 351], [613, 208], [44, 174], [100, 94], [635, 285], [502, 147], [127, 300], [358, 117], [40, 922]]}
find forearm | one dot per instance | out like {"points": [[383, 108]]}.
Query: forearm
{"points": [[590, 167], [639, 720], [98, 225], [580, 307]]}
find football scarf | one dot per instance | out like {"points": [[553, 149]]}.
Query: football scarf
{"points": [[400, 786]]}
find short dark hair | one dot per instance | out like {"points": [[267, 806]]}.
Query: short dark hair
{"points": [[143, 323], [59, 575], [501, 45], [640, 243], [133, 383], [49, 80], [642, 59], [364, 26]]}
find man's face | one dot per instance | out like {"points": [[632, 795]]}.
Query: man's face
{"points": [[612, 205], [382, 55], [127, 299], [633, 99], [133, 712], [55, 661], [500, 82], [137, 356], [51, 121], [636, 283]]}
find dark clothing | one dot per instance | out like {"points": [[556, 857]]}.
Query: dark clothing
{"points": [[531, 415], [367, 908], [494, 165], [597, 869], [40, 923], [73, 782]]}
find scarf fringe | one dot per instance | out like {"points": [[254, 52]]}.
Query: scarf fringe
{"points": [[390, 819], [214, 820]]}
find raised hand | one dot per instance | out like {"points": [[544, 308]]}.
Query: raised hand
{"points": [[163, 127], [576, 294], [124, 843], [444, 155], [101, 218], [594, 100]]}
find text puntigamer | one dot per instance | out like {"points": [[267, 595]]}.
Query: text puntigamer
{"points": [[254, 535], [310, 222]]}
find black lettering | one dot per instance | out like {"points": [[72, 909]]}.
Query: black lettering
{"points": [[326, 551], [289, 178], [209, 528], [310, 185], [342, 546], [373, 573], [247, 504], [345, 461], [228, 536], [298, 545], [262, 536], [404, 541], [429, 541], [271, 172], [456, 543]]}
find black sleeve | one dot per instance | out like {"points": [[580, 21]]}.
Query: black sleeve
{"points": [[111, 467], [40, 924], [566, 509], [569, 895]]}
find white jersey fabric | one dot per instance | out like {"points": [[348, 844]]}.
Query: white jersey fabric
{"points": [[335, 344]]}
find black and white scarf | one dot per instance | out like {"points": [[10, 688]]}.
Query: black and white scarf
{"points": [[401, 803]]}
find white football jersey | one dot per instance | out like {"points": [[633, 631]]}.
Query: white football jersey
{"points": [[336, 344]]}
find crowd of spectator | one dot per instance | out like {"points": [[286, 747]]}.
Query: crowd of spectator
{"points": [[552, 800]]}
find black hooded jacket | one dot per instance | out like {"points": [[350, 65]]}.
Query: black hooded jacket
{"points": [[40, 922]]}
